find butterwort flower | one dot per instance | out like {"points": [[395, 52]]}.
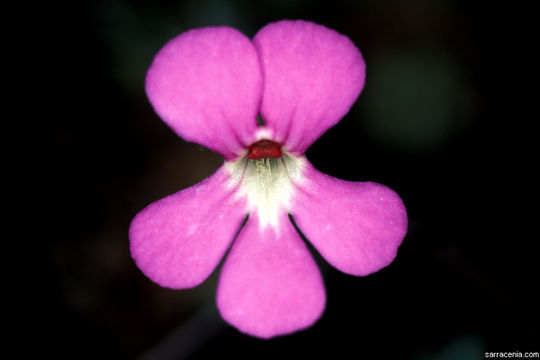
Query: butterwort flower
{"points": [[213, 86]]}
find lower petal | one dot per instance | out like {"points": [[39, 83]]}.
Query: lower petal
{"points": [[179, 240], [270, 284], [356, 226]]}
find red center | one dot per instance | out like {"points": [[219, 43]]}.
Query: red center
{"points": [[264, 149]]}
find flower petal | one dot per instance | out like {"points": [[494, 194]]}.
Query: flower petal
{"points": [[179, 240], [356, 226], [206, 84], [312, 76], [270, 284]]}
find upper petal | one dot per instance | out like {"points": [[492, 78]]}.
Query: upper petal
{"points": [[270, 284], [206, 84], [179, 240], [356, 226], [312, 76]]}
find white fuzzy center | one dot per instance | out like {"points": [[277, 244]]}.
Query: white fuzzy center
{"points": [[268, 184]]}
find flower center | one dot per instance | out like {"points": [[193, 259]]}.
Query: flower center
{"points": [[264, 149], [266, 177]]}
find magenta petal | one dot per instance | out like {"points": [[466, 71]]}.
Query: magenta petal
{"points": [[356, 226], [179, 240], [312, 76], [270, 284], [206, 85]]}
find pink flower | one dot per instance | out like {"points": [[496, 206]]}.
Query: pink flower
{"points": [[209, 85]]}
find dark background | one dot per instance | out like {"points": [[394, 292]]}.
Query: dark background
{"points": [[441, 120]]}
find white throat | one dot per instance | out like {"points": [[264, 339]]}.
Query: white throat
{"points": [[268, 185]]}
